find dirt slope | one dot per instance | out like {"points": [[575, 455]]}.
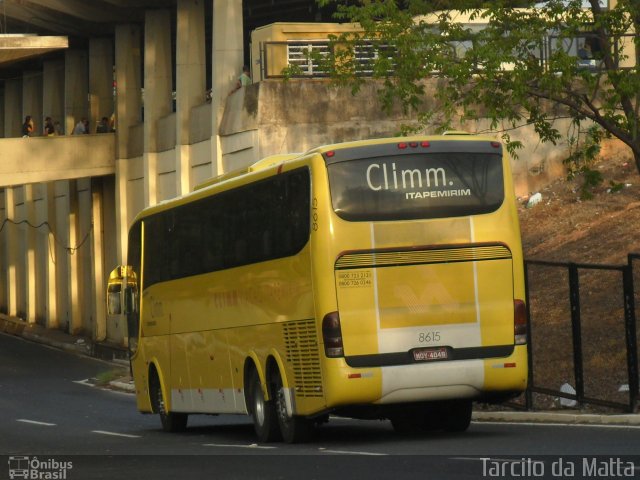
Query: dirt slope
{"points": [[603, 230]]}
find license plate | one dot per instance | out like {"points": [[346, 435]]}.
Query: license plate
{"points": [[430, 354]]}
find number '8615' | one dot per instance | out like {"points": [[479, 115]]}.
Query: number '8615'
{"points": [[429, 337]]}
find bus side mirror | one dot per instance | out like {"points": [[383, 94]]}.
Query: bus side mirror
{"points": [[122, 291]]}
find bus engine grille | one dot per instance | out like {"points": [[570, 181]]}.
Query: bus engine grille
{"points": [[302, 347]]}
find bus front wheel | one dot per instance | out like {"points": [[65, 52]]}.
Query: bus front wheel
{"points": [[263, 412], [294, 429], [171, 421]]}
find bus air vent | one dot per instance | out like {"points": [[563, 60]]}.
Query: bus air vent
{"points": [[303, 353]]}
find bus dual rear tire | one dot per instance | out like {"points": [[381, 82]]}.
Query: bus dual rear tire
{"points": [[456, 415], [450, 416], [295, 429], [263, 412]]}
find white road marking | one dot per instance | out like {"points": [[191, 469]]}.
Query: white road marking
{"points": [[224, 445], [84, 382], [350, 452], [33, 422], [114, 434]]}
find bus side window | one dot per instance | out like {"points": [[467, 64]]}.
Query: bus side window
{"points": [[240, 251], [267, 247]]}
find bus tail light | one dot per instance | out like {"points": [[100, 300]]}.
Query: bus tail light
{"points": [[332, 335], [520, 322]]}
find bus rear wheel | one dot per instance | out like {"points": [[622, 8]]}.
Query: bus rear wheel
{"points": [[456, 415], [294, 429], [408, 419], [450, 416], [263, 412], [171, 421]]}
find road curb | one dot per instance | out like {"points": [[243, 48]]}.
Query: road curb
{"points": [[124, 385], [82, 348], [12, 325], [569, 418], [61, 340]]}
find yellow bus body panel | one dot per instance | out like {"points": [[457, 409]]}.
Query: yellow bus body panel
{"points": [[450, 278]]}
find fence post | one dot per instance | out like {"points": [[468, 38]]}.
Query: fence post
{"points": [[630, 334], [574, 299], [528, 394]]}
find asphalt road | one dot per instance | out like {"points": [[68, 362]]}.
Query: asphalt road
{"points": [[48, 413]]}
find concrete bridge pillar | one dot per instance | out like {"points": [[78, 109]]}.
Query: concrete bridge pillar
{"points": [[32, 99], [11, 240], [81, 241], [47, 211], [100, 80], [228, 55], [13, 118], [53, 92], [74, 279], [191, 82], [128, 114], [62, 257], [31, 273], [76, 88], [128, 83], [98, 273], [158, 86]]}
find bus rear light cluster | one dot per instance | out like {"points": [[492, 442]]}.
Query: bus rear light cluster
{"points": [[332, 335], [520, 322], [404, 145]]}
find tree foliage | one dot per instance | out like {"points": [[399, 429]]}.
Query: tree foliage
{"points": [[522, 66]]}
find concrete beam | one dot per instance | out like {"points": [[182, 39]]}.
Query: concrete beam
{"points": [[50, 21], [142, 3], [94, 11], [15, 48]]}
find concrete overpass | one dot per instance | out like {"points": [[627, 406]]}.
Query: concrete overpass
{"points": [[66, 201], [48, 159]]}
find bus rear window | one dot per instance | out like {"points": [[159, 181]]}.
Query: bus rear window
{"points": [[417, 185]]}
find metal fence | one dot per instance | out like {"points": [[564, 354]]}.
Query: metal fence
{"points": [[276, 56], [303, 55], [587, 339]]}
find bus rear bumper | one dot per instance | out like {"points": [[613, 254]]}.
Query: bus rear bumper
{"points": [[448, 380], [434, 381], [429, 381]]}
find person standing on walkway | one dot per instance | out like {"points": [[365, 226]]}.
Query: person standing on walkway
{"points": [[81, 127], [28, 127], [49, 128], [103, 126]]}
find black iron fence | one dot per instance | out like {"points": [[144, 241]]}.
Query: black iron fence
{"points": [[587, 340]]}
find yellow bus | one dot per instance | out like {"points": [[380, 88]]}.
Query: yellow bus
{"points": [[376, 279]]}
